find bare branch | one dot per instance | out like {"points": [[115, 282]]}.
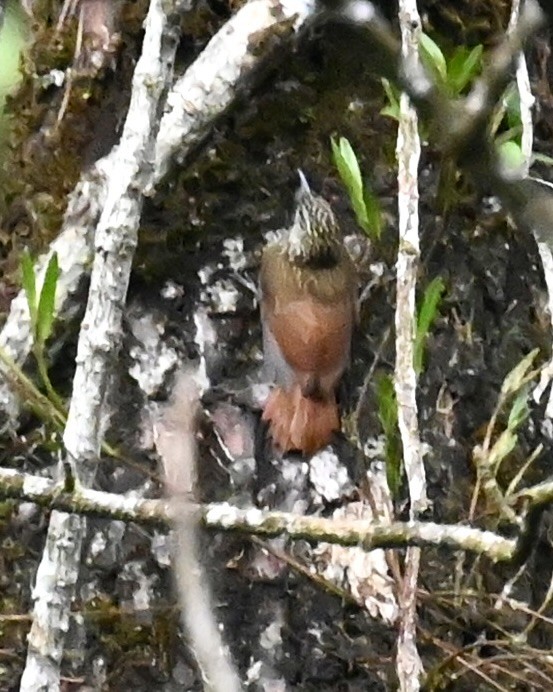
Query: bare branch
{"points": [[225, 517], [408, 663], [116, 238], [176, 444], [211, 83], [408, 155]]}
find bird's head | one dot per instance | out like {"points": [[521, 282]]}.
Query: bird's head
{"points": [[314, 237]]}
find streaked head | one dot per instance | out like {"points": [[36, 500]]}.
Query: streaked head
{"points": [[315, 230]]}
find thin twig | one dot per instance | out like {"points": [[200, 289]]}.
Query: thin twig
{"points": [[408, 662]]}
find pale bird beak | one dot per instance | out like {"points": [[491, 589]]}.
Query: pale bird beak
{"points": [[304, 188]]}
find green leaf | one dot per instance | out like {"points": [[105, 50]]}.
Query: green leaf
{"points": [[387, 413], [46, 305], [29, 286], [390, 112], [519, 410], [502, 447], [518, 375], [511, 155], [433, 58], [463, 66], [511, 103], [347, 164], [427, 314], [393, 94], [13, 38], [374, 211], [350, 173]]}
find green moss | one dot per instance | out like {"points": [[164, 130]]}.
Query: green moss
{"points": [[126, 637]]}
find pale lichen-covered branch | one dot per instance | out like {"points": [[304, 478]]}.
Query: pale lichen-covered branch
{"points": [[408, 663], [225, 517], [115, 240]]}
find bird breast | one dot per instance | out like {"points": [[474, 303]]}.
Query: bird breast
{"points": [[308, 315]]}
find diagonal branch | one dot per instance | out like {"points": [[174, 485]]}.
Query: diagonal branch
{"points": [[116, 238], [207, 89]]}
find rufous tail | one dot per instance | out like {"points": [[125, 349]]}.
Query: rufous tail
{"points": [[298, 423]]}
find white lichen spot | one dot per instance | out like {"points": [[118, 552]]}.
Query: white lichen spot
{"points": [[329, 476], [260, 393], [33, 485], [205, 337], [253, 672], [298, 9], [254, 517], [292, 471], [364, 574], [233, 249], [377, 269], [25, 513], [143, 593], [152, 358], [99, 672], [172, 290], [223, 296], [52, 78], [271, 637], [161, 548], [205, 274], [375, 448], [356, 106], [97, 544]]}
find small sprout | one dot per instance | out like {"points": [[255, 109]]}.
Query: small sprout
{"points": [[488, 458], [507, 129], [387, 414], [433, 58], [364, 202], [393, 94], [519, 410], [427, 314], [41, 311], [501, 449], [457, 71], [462, 67], [47, 302], [519, 375], [511, 104]]}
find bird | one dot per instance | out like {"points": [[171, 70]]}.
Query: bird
{"points": [[308, 302]]}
